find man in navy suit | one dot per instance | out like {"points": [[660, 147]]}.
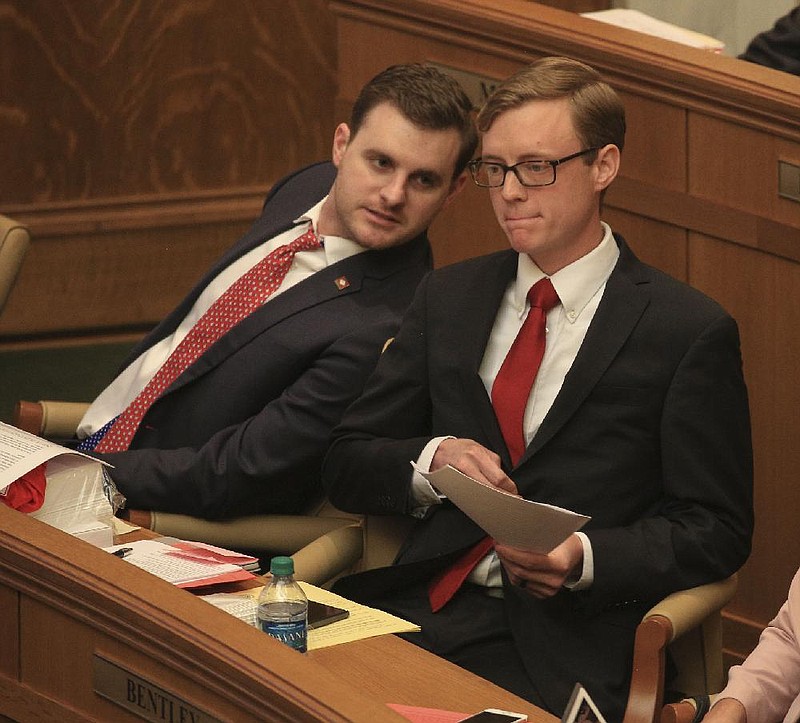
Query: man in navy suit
{"points": [[244, 428], [638, 417]]}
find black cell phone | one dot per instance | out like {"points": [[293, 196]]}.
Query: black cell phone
{"points": [[320, 614]]}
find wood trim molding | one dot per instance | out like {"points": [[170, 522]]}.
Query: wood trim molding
{"points": [[703, 216], [140, 212]]}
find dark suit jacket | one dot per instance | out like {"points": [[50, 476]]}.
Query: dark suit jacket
{"points": [[649, 435], [244, 429], [779, 47]]}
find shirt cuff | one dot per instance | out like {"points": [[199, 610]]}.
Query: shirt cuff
{"points": [[586, 577], [423, 495]]}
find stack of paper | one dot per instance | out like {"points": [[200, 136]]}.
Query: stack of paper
{"points": [[190, 565]]}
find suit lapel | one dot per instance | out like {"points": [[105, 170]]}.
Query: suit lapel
{"points": [[625, 298], [480, 310], [316, 289], [319, 288]]}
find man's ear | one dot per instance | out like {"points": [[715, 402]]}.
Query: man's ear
{"points": [[607, 165], [455, 188], [341, 137]]}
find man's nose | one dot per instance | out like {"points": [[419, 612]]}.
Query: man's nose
{"points": [[394, 190], [512, 188]]}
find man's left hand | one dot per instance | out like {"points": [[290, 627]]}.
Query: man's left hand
{"points": [[542, 575]]}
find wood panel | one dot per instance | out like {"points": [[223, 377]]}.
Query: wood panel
{"points": [[137, 139], [697, 196]]}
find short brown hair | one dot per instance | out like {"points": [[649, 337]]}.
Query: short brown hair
{"points": [[597, 111], [425, 96]]}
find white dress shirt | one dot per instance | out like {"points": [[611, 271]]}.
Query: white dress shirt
{"points": [[124, 389], [580, 287]]}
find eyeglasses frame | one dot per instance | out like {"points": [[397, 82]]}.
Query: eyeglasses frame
{"points": [[552, 163]]}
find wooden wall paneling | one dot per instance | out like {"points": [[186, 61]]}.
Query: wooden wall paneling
{"points": [[143, 112], [121, 278], [745, 180], [757, 289], [112, 100], [655, 142], [659, 244], [9, 632]]}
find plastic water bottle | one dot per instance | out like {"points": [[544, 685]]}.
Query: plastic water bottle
{"points": [[283, 606]]}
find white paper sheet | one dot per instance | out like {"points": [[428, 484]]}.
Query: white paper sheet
{"points": [[20, 452], [509, 519]]}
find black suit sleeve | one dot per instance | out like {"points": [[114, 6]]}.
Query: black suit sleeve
{"points": [[268, 462], [367, 468], [702, 526], [778, 48]]}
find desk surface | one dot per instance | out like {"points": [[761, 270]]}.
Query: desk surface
{"points": [[416, 677]]}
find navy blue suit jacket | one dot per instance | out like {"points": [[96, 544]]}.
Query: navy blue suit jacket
{"points": [[649, 435], [244, 429]]}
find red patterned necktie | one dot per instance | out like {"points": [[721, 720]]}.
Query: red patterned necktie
{"points": [[239, 301], [510, 393]]}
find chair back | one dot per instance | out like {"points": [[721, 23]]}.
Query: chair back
{"points": [[14, 242]]}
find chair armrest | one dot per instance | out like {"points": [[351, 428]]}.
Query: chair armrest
{"points": [[329, 555], [322, 547], [688, 710], [49, 418], [14, 242], [281, 534], [686, 609]]}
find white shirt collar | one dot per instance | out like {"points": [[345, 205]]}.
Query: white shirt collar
{"points": [[336, 248], [576, 283]]}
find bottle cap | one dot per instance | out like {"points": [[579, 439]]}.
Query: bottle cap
{"points": [[281, 566]]}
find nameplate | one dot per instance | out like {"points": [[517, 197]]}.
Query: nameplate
{"points": [[477, 87], [143, 698]]}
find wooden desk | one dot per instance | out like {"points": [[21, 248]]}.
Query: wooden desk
{"points": [[78, 624]]}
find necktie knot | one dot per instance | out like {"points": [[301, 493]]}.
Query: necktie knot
{"points": [[308, 241], [543, 296]]}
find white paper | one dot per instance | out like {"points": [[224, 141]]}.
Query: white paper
{"points": [[21, 451], [172, 563], [643, 23], [509, 519]]}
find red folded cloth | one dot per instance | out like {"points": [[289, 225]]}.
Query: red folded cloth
{"points": [[26, 494]]}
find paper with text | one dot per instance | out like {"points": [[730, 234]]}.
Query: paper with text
{"points": [[509, 519], [178, 566], [21, 451]]}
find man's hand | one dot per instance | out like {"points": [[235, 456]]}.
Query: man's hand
{"points": [[542, 575], [726, 710], [474, 461]]}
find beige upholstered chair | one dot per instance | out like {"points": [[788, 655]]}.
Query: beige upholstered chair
{"points": [[14, 242]]}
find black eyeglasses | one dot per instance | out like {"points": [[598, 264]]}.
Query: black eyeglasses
{"points": [[491, 174]]}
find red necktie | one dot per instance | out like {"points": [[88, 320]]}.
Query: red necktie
{"points": [[514, 381], [510, 393], [239, 301]]}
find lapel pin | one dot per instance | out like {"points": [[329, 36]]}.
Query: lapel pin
{"points": [[342, 283]]}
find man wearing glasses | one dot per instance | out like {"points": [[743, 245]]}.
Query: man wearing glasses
{"points": [[638, 417]]}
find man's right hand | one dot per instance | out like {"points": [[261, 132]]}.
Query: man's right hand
{"points": [[475, 461]]}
